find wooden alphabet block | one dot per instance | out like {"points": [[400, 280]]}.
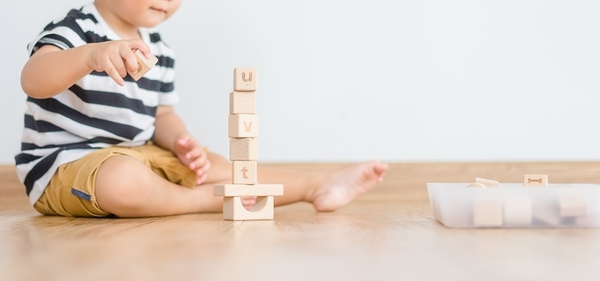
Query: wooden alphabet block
{"points": [[487, 183], [244, 172], [517, 211], [535, 180], [244, 79], [244, 149], [572, 204], [487, 213], [546, 215], [233, 190], [242, 103], [262, 210], [144, 64], [243, 126]]}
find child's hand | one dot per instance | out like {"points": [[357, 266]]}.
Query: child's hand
{"points": [[192, 154], [116, 58]]}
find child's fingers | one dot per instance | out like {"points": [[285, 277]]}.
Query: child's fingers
{"points": [[183, 148], [131, 63], [118, 63], [190, 147], [193, 155], [202, 168], [201, 172], [183, 144], [140, 45], [197, 154], [114, 74], [197, 161], [115, 67], [201, 179], [116, 58]]}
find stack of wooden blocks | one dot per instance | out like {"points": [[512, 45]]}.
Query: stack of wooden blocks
{"points": [[243, 148]]}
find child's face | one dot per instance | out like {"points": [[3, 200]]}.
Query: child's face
{"points": [[141, 13]]}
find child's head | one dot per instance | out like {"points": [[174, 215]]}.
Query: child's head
{"points": [[138, 13]]}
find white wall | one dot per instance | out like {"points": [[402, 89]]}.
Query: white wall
{"points": [[387, 79]]}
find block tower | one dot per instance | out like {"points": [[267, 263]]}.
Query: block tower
{"points": [[243, 152]]}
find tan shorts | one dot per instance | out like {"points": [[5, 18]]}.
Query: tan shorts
{"points": [[72, 190]]}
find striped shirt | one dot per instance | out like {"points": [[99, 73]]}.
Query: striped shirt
{"points": [[95, 112]]}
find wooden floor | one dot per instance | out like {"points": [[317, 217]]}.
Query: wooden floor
{"points": [[387, 234]]}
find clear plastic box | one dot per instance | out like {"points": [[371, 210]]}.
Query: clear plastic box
{"points": [[510, 205]]}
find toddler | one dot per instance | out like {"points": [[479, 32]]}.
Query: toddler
{"points": [[98, 143]]}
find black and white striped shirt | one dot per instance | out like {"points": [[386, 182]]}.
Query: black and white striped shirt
{"points": [[95, 112]]}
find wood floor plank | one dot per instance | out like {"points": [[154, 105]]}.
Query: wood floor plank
{"points": [[387, 234]]}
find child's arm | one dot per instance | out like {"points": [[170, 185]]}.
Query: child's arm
{"points": [[51, 70], [171, 134]]}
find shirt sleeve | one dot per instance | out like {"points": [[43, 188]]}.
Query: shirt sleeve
{"points": [[66, 33]]}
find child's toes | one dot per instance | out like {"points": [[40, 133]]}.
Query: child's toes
{"points": [[248, 202]]}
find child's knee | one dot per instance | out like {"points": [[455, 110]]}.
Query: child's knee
{"points": [[122, 183]]}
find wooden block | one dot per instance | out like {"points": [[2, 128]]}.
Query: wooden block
{"points": [[144, 64], [476, 184], [245, 149], [546, 215], [262, 210], [242, 103], [535, 180], [487, 183], [572, 204], [244, 79], [517, 211], [243, 126], [244, 172], [232, 190], [588, 221], [487, 213]]}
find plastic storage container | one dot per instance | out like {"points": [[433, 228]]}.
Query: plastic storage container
{"points": [[513, 206]]}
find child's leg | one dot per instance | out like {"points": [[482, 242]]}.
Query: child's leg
{"points": [[328, 190], [126, 187]]}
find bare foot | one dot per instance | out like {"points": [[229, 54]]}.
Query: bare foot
{"points": [[248, 202], [343, 185]]}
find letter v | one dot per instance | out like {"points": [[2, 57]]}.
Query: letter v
{"points": [[248, 126]]}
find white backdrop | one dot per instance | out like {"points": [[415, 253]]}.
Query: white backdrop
{"points": [[355, 80]]}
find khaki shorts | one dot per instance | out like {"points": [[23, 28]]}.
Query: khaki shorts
{"points": [[72, 189]]}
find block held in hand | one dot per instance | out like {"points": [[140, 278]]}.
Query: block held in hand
{"points": [[144, 64]]}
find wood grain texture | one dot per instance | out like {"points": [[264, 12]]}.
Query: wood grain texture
{"points": [[386, 234], [242, 103], [243, 149], [231, 190]]}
